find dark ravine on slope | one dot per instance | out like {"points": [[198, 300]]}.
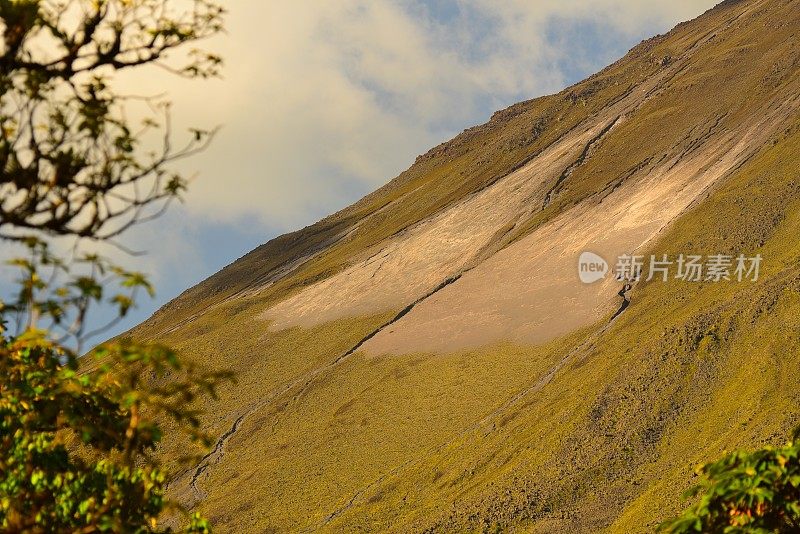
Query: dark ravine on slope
{"points": [[217, 450]]}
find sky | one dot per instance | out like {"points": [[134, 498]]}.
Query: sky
{"points": [[322, 102]]}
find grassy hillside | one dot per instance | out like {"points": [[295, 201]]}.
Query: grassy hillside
{"points": [[600, 429], [689, 370], [484, 154]]}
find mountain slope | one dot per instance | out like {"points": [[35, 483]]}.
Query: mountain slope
{"points": [[427, 359]]}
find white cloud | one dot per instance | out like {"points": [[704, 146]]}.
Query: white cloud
{"points": [[322, 101], [325, 99]]}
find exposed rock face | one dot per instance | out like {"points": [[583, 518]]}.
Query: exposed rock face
{"points": [[427, 359]]}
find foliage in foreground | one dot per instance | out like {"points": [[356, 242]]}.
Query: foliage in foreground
{"points": [[74, 447], [77, 436], [746, 492]]}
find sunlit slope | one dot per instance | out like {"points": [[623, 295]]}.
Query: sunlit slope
{"points": [[427, 357], [611, 183], [689, 370], [700, 61], [599, 430]]}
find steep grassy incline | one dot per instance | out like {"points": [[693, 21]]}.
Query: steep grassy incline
{"points": [[476, 159], [426, 359], [611, 440]]}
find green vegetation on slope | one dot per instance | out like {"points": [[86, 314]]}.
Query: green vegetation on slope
{"points": [[481, 155], [601, 430], [689, 370], [746, 492]]}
